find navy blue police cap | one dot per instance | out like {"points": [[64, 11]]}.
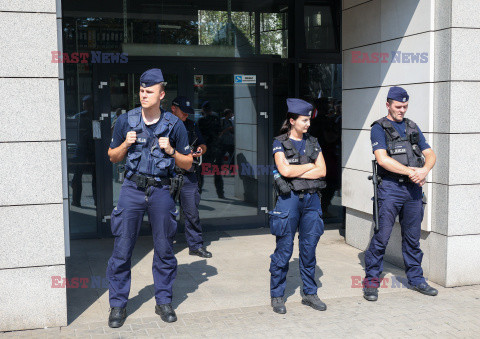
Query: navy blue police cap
{"points": [[151, 77], [299, 106], [398, 94], [87, 98], [184, 104]]}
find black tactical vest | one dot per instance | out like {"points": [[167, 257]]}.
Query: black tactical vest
{"points": [[404, 150], [294, 158], [145, 156]]}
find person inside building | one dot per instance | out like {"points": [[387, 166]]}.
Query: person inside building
{"points": [[189, 193], [85, 153], [403, 161], [209, 125], [226, 144], [300, 167], [153, 142]]}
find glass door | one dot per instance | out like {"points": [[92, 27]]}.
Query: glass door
{"points": [[234, 171], [230, 113]]}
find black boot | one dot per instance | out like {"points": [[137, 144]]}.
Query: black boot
{"points": [[201, 252], [426, 289], [117, 317], [370, 293], [166, 312], [314, 302], [279, 305]]}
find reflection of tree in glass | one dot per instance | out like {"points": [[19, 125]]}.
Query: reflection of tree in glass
{"points": [[214, 29], [213, 22], [273, 34]]}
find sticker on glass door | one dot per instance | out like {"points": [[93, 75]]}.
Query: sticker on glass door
{"points": [[245, 79]]}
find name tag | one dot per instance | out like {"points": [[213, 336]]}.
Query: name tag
{"points": [[142, 140], [398, 151]]}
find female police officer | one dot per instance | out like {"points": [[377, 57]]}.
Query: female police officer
{"points": [[300, 164]]}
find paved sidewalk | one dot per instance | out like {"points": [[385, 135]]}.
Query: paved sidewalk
{"points": [[227, 296]]}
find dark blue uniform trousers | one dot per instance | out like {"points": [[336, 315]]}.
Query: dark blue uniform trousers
{"points": [[404, 200], [292, 213], [189, 201], [126, 221]]}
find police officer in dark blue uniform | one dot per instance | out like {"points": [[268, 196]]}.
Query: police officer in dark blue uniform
{"points": [[153, 141], [189, 193], [404, 159], [300, 165]]}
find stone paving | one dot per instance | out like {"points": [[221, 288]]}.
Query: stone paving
{"points": [[241, 309]]}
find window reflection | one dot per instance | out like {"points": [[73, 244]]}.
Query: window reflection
{"points": [[319, 28]]}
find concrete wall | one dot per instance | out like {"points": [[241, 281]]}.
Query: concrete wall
{"points": [[440, 91], [32, 181], [457, 135]]}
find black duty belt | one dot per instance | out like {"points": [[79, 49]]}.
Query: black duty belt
{"points": [[194, 168], [399, 178], [309, 191], [302, 193], [143, 181]]}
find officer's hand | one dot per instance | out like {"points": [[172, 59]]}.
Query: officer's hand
{"points": [[198, 153], [418, 174], [422, 182], [131, 138], [164, 143]]}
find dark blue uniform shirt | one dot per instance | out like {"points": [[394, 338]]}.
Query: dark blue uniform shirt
{"points": [[379, 137], [200, 140], [178, 137]]}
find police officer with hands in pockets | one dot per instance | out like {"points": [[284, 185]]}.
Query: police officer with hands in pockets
{"points": [[153, 142], [300, 165], [189, 193], [403, 161]]}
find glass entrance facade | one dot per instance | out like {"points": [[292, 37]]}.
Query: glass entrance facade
{"points": [[241, 59]]}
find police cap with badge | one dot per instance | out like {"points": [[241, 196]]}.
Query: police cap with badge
{"points": [[398, 94], [184, 104], [151, 77], [299, 106]]}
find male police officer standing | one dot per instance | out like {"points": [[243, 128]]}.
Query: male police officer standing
{"points": [[153, 142], [404, 159], [189, 193]]}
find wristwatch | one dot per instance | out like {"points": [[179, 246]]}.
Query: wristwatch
{"points": [[171, 155]]}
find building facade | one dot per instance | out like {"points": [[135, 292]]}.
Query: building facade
{"points": [[440, 90], [68, 69]]}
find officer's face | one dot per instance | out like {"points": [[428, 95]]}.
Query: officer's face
{"points": [[151, 96], [302, 124], [397, 110], [179, 113]]}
